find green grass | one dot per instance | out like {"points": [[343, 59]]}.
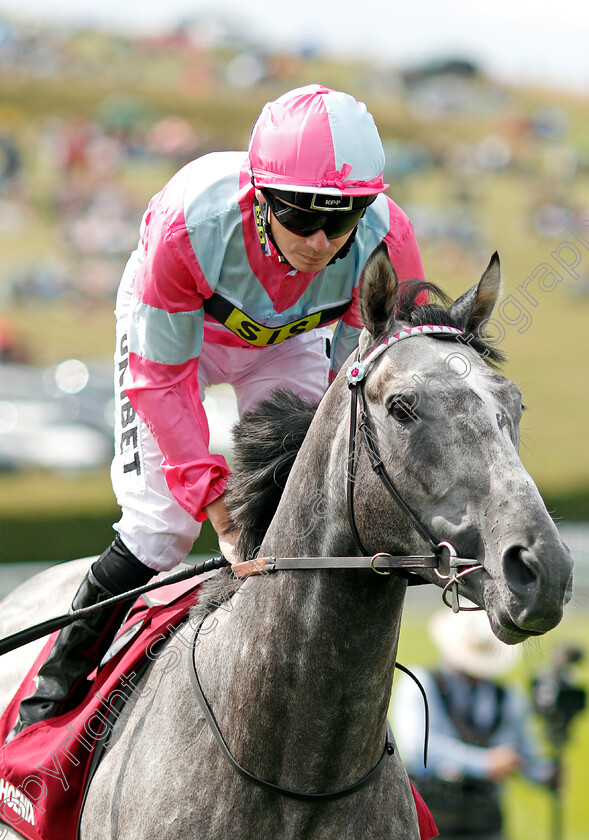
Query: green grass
{"points": [[529, 808]]}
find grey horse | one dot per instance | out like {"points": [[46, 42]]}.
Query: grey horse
{"points": [[297, 666]]}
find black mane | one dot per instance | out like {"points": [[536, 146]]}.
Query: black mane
{"points": [[437, 312], [266, 444]]}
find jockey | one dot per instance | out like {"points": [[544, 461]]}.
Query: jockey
{"points": [[243, 261]]}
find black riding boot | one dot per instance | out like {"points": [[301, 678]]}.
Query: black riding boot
{"points": [[80, 646]]}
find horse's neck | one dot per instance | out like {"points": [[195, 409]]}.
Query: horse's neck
{"points": [[300, 672], [311, 652]]}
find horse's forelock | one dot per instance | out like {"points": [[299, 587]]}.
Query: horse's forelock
{"points": [[437, 312]]}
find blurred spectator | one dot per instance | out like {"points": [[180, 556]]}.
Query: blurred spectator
{"points": [[11, 348], [106, 224], [173, 137], [10, 161], [549, 123], [480, 730], [551, 219]]}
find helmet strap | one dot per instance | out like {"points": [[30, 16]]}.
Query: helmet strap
{"points": [[261, 210], [345, 249]]}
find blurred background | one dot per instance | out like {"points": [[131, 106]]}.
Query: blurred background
{"points": [[484, 117]]}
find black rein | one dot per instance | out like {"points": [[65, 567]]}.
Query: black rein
{"points": [[210, 718]]}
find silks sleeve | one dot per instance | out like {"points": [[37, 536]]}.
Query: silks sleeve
{"points": [[165, 340]]}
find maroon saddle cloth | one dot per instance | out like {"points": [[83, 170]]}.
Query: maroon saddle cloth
{"points": [[44, 770]]}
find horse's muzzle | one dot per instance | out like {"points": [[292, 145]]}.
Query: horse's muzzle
{"points": [[538, 579]]}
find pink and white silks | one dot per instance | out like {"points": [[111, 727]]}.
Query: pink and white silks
{"points": [[200, 303]]}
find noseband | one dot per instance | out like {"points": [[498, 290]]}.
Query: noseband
{"points": [[458, 567]]}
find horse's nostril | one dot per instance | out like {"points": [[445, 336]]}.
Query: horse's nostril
{"points": [[517, 568]]}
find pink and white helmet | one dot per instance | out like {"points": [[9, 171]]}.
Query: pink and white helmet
{"points": [[317, 140]]}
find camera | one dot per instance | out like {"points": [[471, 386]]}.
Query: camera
{"points": [[556, 697]]}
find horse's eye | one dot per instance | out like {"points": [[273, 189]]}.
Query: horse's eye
{"points": [[402, 408]]}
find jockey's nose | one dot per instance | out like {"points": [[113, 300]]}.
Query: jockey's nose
{"points": [[318, 240]]}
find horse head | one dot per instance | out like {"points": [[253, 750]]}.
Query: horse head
{"points": [[446, 425]]}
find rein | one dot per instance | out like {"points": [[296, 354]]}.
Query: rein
{"points": [[210, 718]]}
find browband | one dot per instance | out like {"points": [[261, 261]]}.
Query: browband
{"points": [[358, 370]]}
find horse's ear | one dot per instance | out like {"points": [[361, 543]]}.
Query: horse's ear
{"points": [[378, 293], [474, 307]]}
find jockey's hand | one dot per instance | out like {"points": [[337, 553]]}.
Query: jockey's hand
{"points": [[227, 546], [219, 518]]}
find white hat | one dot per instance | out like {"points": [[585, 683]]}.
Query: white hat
{"points": [[467, 643]]}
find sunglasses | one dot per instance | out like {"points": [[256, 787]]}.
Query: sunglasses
{"points": [[306, 222]]}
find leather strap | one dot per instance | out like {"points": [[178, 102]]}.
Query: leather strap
{"points": [[351, 470], [380, 563], [379, 468], [269, 786]]}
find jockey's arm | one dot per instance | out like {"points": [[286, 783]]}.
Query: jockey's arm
{"points": [[166, 333]]}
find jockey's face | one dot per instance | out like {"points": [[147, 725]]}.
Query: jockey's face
{"points": [[305, 253]]}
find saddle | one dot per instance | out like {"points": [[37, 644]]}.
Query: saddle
{"points": [[45, 771]]}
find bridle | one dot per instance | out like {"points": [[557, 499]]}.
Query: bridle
{"points": [[381, 563], [360, 422]]}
